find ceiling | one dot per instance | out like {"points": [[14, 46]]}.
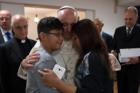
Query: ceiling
{"points": [[40, 10], [36, 10], [129, 2]]}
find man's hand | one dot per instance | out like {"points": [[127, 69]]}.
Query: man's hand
{"points": [[28, 62], [133, 60]]}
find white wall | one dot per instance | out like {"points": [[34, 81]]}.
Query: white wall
{"points": [[15, 8], [103, 9]]}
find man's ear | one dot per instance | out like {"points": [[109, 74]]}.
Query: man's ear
{"points": [[42, 36]]}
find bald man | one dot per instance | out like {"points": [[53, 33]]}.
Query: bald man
{"points": [[14, 51], [5, 26]]}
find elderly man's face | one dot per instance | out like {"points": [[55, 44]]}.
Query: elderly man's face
{"points": [[130, 18], [68, 18], [20, 28]]}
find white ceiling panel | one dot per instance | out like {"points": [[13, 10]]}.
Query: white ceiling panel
{"points": [[129, 2]]}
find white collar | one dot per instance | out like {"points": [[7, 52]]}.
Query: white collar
{"points": [[130, 28], [23, 41], [67, 44]]}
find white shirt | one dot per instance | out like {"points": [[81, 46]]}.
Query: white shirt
{"points": [[130, 29], [4, 36], [67, 58]]}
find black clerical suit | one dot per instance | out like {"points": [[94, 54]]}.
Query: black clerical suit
{"points": [[14, 52], [129, 76]]}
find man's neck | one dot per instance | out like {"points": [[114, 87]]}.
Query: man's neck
{"points": [[67, 38], [6, 29]]}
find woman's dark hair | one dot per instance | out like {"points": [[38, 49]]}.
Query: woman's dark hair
{"points": [[90, 40]]}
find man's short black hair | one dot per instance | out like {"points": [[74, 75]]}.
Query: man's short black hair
{"points": [[49, 23]]}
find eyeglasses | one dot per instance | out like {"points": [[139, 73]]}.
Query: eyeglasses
{"points": [[55, 34]]}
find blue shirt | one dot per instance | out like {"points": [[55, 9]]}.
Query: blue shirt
{"points": [[34, 81]]}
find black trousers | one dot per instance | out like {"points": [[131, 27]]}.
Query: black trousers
{"points": [[128, 79]]}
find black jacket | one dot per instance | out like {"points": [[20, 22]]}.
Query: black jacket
{"points": [[128, 73], [1, 67], [12, 56]]}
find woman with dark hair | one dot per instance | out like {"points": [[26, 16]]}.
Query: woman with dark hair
{"points": [[93, 70]]}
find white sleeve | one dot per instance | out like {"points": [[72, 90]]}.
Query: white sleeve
{"points": [[115, 65], [22, 73]]}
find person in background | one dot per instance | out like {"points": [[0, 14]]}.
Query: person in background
{"points": [[125, 37], [5, 35], [1, 65], [93, 67], [66, 56], [106, 37], [15, 50], [5, 26], [50, 36]]}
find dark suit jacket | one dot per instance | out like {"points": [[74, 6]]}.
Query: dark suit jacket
{"points": [[1, 38], [11, 61], [122, 40], [1, 65], [108, 40]]}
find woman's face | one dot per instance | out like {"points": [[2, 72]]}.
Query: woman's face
{"points": [[76, 43]]}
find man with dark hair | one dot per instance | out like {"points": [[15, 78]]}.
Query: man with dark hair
{"points": [[50, 37]]}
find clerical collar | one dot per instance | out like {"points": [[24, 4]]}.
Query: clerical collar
{"points": [[21, 41]]}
